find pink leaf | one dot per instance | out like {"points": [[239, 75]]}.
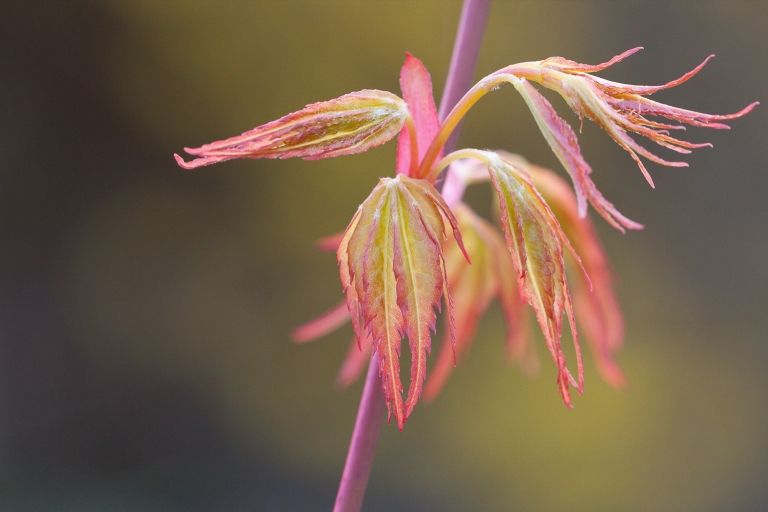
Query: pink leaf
{"points": [[535, 240], [597, 307], [349, 124], [391, 266], [563, 142], [416, 86]]}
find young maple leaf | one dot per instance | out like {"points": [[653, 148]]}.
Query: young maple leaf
{"points": [[563, 142], [619, 109], [393, 273], [595, 303], [535, 240], [353, 123], [597, 308]]}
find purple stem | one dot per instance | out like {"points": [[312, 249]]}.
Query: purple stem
{"points": [[466, 47], [362, 447], [370, 413]]}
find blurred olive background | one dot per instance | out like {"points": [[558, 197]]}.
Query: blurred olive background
{"points": [[145, 353]]}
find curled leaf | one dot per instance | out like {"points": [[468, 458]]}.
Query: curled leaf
{"points": [[597, 309], [576, 67], [624, 109], [595, 302], [392, 270], [535, 241], [563, 142], [349, 124]]}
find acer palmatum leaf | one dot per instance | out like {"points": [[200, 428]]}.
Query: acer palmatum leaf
{"points": [[535, 241], [563, 142], [621, 109], [349, 124], [597, 309], [392, 270]]}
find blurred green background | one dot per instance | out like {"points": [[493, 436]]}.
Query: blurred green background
{"points": [[145, 353]]}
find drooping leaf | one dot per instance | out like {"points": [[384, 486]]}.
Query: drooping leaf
{"points": [[597, 309], [392, 269], [349, 124], [623, 109], [535, 241], [563, 142]]}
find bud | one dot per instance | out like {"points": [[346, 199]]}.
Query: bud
{"points": [[349, 124]]}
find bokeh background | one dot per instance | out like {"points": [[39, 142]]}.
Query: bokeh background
{"points": [[145, 353]]}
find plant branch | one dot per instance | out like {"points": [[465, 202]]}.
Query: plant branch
{"points": [[466, 48], [450, 126], [362, 447]]}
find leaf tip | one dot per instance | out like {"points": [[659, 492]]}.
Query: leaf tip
{"points": [[183, 163]]}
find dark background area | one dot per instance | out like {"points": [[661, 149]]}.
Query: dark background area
{"points": [[145, 312]]}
